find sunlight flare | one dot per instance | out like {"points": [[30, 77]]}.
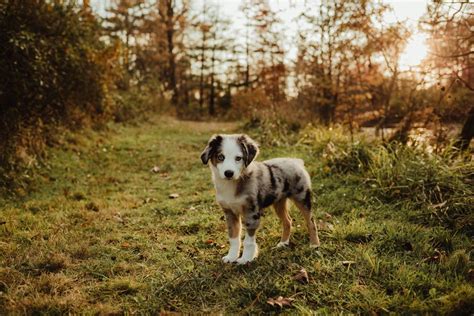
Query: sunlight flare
{"points": [[415, 51]]}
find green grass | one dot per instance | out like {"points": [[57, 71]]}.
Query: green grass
{"points": [[98, 233]]}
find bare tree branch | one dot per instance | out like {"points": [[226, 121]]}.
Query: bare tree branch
{"points": [[453, 56], [464, 82]]}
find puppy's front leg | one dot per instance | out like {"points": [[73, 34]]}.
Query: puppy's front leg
{"points": [[252, 221], [234, 227]]}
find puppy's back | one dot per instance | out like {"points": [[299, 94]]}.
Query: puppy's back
{"points": [[291, 169]]}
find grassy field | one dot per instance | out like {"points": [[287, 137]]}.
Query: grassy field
{"points": [[98, 232]]}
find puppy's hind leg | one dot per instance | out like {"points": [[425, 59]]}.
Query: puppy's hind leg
{"points": [[234, 227], [281, 209], [303, 202]]}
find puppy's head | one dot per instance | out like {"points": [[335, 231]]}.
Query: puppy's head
{"points": [[229, 154]]}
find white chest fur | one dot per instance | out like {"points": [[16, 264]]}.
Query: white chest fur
{"points": [[225, 195]]}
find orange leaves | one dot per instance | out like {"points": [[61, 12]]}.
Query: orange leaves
{"points": [[302, 276], [280, 301]]}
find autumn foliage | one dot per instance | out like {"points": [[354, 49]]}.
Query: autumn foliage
{"points": [[69, 65], [54, 72]]}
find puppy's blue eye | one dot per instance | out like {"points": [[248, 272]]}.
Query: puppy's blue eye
{"points": [[238, 158], [220, 157]]}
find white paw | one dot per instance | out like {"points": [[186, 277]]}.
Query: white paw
{"points": [[248, 255], [283, 244], [244, 260], [230, 259], [314, 245]]}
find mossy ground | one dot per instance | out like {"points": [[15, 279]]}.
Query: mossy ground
{"points": [[99, 234]]}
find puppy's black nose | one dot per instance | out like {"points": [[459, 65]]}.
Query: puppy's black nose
{"points": [[228, 173]]}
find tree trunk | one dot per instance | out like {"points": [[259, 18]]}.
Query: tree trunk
{"points": [[201, 77], [171, 57], [203, 57], [247, 58], [212, 97], [467, 132], [212, 94]]}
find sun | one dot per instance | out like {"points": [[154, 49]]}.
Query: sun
{"points": [[415, 51]]}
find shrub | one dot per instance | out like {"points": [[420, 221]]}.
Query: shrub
{"points": [[137, 103], [438, 188], [54, 71], [437, 185]]}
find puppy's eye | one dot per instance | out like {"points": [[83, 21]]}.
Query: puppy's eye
{"points": [[220, 157], [238, 158]]}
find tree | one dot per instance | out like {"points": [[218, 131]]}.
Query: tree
{"points": [[336, 44], [452, 59], [124, 22], [391, 43], [220, 42], [55, 71], [450, 25], [266, 48], [172, 16], [208, 48]]}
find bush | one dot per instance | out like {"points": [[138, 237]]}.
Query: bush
{"points": [[437, 188], [54, 71], [273, 131], [137, 103]]}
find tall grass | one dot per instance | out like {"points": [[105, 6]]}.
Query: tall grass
{"points": [[438, 188]]}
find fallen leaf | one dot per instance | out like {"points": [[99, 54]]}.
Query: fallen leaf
{"points": [[322, 225], [347, 262], [209, 241], [155, 169], [148, 200], [173, 195], [118, 218], [330, 150], [125, 245], [78, 196], [435, 206], [280, 301], [302, 276], [436, 257], [91, 206], [327, 215]]}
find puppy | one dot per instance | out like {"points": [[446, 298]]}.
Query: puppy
{"points": [[244, 187]]}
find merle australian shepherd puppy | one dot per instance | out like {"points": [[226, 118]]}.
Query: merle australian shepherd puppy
{"points": [[244, 187]]}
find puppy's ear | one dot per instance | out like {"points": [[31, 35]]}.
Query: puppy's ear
{"points": [[249, 148], [211, 148]]}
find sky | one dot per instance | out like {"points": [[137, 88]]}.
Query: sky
{"points": [[404, 9], [288, 10]]}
